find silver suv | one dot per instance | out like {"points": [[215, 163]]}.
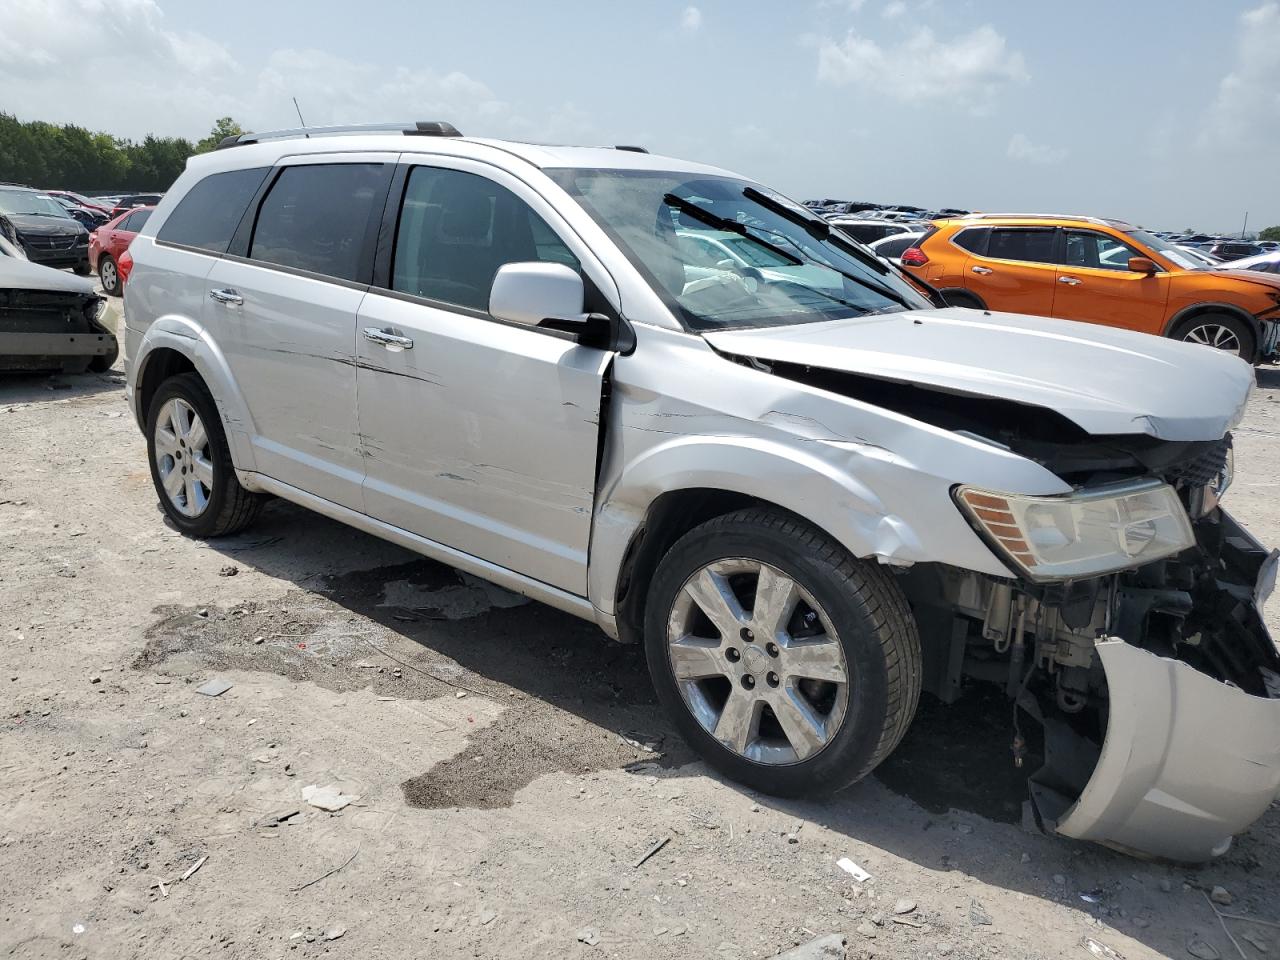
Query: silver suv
{"points": [[807, 490]]}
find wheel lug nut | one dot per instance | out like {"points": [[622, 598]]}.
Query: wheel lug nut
{"points": [[747, 635], [772, 679], [771, 649], [732, 655], [748, 681]]}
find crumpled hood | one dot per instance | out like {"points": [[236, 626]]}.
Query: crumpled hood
{"points": [[1104, 380], [18, 274]]}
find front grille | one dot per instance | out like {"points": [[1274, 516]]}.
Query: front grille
{"points": [[1209, 460], [50, 243]]}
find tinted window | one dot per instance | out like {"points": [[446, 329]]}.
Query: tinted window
{"points": [[456, 229], [1030, 245], [208, 215], [319, 217], [974, 240], [134, 221], [1097, 251], [868, 232], [896, 246]]}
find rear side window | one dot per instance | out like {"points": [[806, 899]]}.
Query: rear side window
{"points": [[320, 218], [136, 221], [208, 215], [456, 229], [1030, 245], [973, 239]]}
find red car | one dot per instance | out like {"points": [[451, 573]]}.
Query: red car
{"points": [[109, 242], [79, 200]]}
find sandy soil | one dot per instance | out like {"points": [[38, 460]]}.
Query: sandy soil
{"points": [[511, 764]]}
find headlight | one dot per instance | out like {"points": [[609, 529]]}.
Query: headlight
{"points": [[1083, 534]]}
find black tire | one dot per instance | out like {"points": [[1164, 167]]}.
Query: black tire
{"points": [[231, 507], [869, 612], [961, 298], [1187, 330], [82, 269], [113, 288]]}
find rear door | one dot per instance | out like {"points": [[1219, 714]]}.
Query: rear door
{"points": [[1017, 272], [285, 315], [479, 434], [1096, 285]]}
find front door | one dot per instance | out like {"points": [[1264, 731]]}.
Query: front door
{"points": [[478, 434], [1096, 285], [286, 319], [1017, 272]]}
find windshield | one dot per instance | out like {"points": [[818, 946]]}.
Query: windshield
{"points": [[22, 202], [1178, 257], [724, 260]]}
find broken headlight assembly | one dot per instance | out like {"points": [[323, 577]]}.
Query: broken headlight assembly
{"points": [[1084, 534]]}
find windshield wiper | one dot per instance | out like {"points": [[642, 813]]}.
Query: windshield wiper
{"points": [[821, 230]]}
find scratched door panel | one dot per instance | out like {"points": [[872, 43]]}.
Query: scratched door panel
{"points": [[481, 436]]}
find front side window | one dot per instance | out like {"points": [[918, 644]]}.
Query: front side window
{"points": [[1028, 244], [1097, 251], [456, 229], [208, 215], [318, 218], [775, 271]]}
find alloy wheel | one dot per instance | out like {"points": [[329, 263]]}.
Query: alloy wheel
{"points": [[182, 457], [1214, 335], [108, 273], [757, 661]]}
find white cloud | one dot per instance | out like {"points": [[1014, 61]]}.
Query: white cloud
{"points": [[691, 19], [969, 68], [894, 9], [177, 83], [1022, 149], [1245, 115]]}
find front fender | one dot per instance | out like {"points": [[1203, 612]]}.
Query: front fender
{"points": [[192, 341]]}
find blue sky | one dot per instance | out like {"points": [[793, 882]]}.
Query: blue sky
{"points": [[1167, 114]]}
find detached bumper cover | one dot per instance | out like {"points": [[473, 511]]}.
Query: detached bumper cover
{"points": [[1187, 761]]}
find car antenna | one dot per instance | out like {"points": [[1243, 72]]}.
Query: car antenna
{"points": [[300, 120]]}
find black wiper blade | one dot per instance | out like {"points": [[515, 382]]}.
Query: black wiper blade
{"points": [[816, 227], [724, 223]]}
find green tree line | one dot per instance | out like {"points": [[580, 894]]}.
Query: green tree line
{"points": [[69, 157]]}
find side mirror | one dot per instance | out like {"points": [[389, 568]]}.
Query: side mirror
{"points": [[1142, 265], [529, 293]]}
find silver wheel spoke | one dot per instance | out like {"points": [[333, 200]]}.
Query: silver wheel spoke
{"points": [[166, 442], [776, 598], [710, 591], [177, 417], [203, 471], [817, 659], [173, 483], [196, 437], [739, 721], [804, 729], [696, 659], [181, 444]]}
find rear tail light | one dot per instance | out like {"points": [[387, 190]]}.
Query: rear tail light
{"points": [[124, 266], [913, 257]]}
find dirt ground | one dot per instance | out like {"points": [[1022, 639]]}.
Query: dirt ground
{"points": [[511, 765]]}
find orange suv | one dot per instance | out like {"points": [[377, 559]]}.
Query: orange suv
{"points": [[1098, 271]]}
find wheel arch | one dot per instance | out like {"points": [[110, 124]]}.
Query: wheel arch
{"points": [[1199, 309]]}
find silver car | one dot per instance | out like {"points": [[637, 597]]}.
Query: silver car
{"points": [[811, 492]]}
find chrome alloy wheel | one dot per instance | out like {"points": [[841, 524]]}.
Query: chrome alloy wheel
{"points": [[1214, 335], [182, 457], [108, 274], [757, 661]]}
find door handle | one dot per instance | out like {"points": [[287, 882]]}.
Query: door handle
{"points": [[1069, 281], [387, 339], [982, 271], [227, 296]]}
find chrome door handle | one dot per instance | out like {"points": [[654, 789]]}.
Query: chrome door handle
{"points": [[387, 339], [1069, 281], [982, 271], [228, 296]]}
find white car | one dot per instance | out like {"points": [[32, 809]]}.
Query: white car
{"points": [[810, 494], [891, 248], [1268, 262]]}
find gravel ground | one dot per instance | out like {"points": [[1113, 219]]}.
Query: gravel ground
{"points": [[511, 765]]}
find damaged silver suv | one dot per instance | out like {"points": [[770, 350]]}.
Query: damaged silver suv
{"points": [[810, 492]]}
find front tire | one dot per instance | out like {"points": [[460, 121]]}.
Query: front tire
{"points": [[1221, 331], [191, 462], [786, 663]]}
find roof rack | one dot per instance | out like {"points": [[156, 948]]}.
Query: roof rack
{"points": [[419, 128], [1040, 216]]}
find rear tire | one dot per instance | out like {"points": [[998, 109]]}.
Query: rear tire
{"points": [[191, 462], [109, 274], [846, 659], [1221, 331]]}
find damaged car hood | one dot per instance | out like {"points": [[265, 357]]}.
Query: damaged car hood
{"points": [[1106, 381], [18, 274]]}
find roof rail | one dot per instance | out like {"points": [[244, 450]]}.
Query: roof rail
{"points": [[1038, 216], [420, 128], [630, 148]]}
